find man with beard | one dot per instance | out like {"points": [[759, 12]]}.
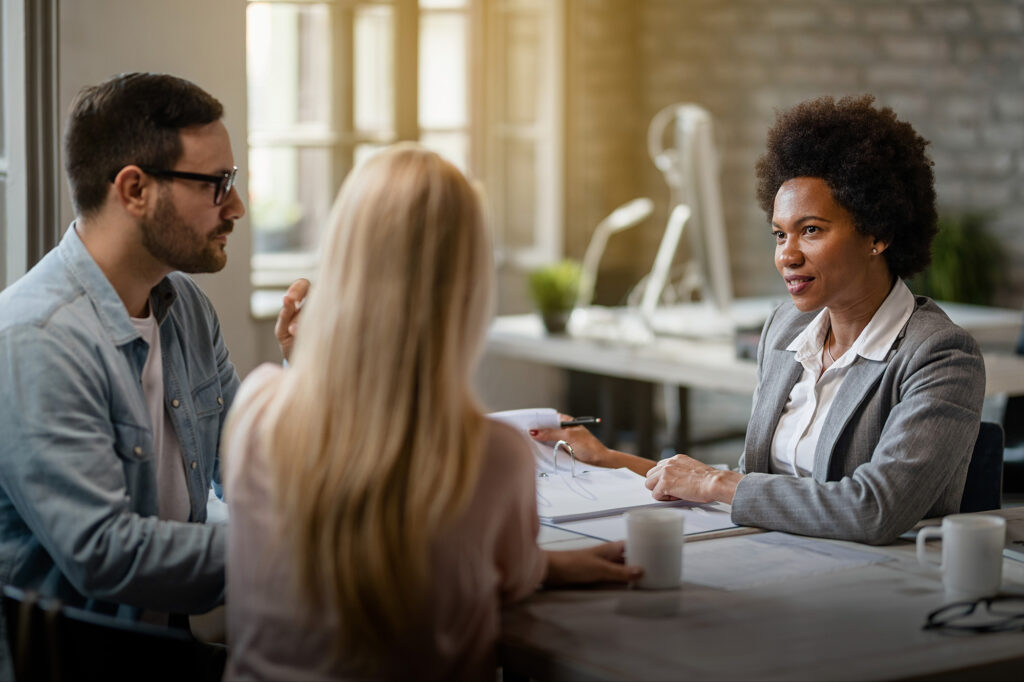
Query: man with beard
{"points": [[114, 378]]}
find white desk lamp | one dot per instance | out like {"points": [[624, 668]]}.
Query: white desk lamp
{"points": [[624, 217]]}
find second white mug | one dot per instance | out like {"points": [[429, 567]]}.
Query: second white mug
{"points": [[654, 541], [972, 554]]}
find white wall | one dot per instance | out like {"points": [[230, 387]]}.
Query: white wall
{"points": [[203, 41]]}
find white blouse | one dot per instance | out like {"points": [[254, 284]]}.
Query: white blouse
{"points": [[796, 435]]}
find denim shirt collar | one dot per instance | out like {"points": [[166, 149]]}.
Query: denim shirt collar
{"points": [[109, 306]]}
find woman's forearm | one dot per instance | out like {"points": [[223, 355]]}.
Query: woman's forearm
{"points": [[615, 459]]}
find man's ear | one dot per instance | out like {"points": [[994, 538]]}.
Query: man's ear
{"points": [[132, 188]]}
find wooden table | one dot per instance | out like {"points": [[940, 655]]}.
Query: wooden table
{"points": [[859, 623]]}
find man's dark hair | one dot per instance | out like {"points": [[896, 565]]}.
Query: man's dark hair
{"points": [[874, 164], [130, 118]]}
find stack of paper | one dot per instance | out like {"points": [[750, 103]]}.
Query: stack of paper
{"points": [[593, 491], [569, 492]]}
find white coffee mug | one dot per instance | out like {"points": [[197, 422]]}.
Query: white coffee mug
{"points": [[654, 541], [972, 554]]}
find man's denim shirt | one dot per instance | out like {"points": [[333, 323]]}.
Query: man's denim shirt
{"points": [[78, 494]]}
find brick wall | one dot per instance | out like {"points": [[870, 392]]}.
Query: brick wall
{"points": [[603, 124], [954, 69]]}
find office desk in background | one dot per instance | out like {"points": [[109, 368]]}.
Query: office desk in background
{"points": [[857, 623], [711, 362]]}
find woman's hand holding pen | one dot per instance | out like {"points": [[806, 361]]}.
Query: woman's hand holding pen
{"points": [[684, 478], [587, 448]]}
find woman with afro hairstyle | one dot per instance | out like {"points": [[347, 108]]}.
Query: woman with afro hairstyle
{"points": [[869, 398]]}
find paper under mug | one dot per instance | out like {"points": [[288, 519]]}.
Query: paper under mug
{"points": [[654, 541], [972, 554]]}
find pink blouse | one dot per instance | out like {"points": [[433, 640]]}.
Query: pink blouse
{"points": [[488, 558]]}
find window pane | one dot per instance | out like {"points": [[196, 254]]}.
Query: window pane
{"points": [[518, 207], [288, 63], [442, 94], [374, 69], [522, 40], [452, 146], [288, 197], [442, 4]]}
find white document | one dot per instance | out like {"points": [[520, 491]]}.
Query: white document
{"points": [[593, 491], [697, 518], [534, 418], [568, 490], [748, 560]]}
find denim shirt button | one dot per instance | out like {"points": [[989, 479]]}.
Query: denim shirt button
{"points": [[220, 401], [193, 464], [137, 450], [175, 403]]}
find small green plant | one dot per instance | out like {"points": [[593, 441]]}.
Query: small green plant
{"points": [[554, 289], [967, 262]]}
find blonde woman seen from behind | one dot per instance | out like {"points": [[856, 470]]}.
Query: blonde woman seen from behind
{"points": [[378, 519]]}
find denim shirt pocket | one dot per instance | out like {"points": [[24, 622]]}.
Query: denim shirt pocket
{"points": [[207, 398], [208, 402], [133, 443], [134, 447]]}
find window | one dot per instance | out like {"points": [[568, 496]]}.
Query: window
{"points": [[525, 92], [29, 169], [332, 82]]}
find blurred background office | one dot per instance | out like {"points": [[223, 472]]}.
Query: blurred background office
{"points": [[547, 102]]}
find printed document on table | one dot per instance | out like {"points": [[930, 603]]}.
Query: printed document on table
{"points": [[569, 490], [697, 518], [744, 561], [592, 491]]}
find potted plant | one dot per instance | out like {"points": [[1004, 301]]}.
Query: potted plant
{"points": [[967, 262], [554, 289]]}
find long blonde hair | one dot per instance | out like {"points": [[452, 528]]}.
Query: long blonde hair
{"points": [[375, 437]]}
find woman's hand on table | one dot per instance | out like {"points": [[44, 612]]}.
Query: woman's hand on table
{"points": [[587, 448], [684, 478], [600, 564]]}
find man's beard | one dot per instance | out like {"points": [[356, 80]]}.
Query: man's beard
{"points": [[171, 240]]}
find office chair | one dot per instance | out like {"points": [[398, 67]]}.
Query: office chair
{"points": [[51, 642], [1013, 426], [984, 486]]}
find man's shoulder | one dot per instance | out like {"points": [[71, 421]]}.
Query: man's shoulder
{"points": [[43, 296]]}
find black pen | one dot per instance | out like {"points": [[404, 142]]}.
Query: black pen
{"points": [[580, 421]]}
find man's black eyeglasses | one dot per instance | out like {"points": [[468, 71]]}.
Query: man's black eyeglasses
{"points": [[991, 614], [223, 182]]}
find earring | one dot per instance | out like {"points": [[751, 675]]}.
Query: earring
{"points": [[874, 251]]}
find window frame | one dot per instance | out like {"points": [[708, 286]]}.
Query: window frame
{"points": [[485, 128]]}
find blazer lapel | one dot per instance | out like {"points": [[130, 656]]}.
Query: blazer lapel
{"points": [[860, 379], [781, 372]]}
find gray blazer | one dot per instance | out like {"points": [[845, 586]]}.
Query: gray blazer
{"points": [[896, 442]]}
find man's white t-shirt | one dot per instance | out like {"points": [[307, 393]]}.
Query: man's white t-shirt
{"points": [[173, 499]]}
